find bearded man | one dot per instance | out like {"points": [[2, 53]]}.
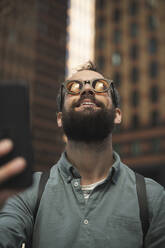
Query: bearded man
{"points": [[90, 199]]}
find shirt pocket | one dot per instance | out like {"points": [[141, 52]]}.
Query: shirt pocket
{"points": [[125, 231]]}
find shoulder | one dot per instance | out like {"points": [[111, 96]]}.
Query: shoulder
{"points": [[155, 194], [156, 203], [154, 190], [30, 195], [153, 187]]}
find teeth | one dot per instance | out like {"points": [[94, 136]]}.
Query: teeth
{"points": [[87, 103]]}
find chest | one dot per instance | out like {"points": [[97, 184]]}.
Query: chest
{"points": [[106, 220]]}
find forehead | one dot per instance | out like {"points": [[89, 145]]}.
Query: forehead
{"points": [[85, 75]]}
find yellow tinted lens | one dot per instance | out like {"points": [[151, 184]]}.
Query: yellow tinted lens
{"points": [[100, 85], [73, 87]]}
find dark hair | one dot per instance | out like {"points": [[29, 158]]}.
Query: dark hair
{"points": [[89, 65]]}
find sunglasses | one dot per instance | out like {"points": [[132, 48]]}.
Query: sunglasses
{"points": [[74, 87]]}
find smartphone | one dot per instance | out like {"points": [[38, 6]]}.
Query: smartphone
{"points": [[15, 124]]}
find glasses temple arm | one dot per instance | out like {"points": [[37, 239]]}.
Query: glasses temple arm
{"points": [[114, 95]]}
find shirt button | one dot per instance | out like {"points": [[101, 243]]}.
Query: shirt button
{"points": [[85, 221], [76, 184]]}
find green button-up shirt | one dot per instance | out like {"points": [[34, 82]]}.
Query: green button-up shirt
{"points": [[109, 219]]}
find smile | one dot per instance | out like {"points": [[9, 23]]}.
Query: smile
{"points": [[87, 104]]}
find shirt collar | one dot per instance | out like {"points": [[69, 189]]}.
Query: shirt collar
{"points": [[68, 171], [115, 169]]}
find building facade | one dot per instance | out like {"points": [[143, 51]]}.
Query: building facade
{"points": [[32, 47], [130, 48]]}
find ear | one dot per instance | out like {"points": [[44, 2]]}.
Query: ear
{"points": [[118, 116], [59, 119]]}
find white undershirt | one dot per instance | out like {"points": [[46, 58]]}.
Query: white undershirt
{"points": [[87, 189]]}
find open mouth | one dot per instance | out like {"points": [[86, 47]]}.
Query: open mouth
{"points": [[86, 104], [90, 104]]}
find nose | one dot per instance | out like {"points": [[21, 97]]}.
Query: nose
{"points": [[87, 90]]}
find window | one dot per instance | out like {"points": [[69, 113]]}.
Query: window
{"points": [[117, 78], [152, 23], [12, 36], [101, 62], [154, 94], [42, 7], [154, 118], [135, 98], [134, 75], [117, 36], [117, 15], [152, 46], [101, 21], [100, 42], [133, 8], [117, 148], [100, 4], [153, 69], [135, 121], [42, 28], [134, 52], [136, 149], [134, 29], [156, 145], [151, 4], [116, 59]]}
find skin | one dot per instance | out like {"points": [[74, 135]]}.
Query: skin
{"points": [[10, 169], [98, 157]]}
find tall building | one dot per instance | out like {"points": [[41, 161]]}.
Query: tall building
{"points": [[130, 49], [80, 33], [32, 48]]}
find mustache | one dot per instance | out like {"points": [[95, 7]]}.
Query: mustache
{"points": [[90, 97]]}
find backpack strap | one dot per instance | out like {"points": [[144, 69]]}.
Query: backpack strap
{"points": [[43, 180], [143, 205]]}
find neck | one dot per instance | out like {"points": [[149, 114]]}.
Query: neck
{"points": [[93, 160]]}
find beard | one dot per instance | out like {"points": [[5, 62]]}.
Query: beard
{"points": [[89, 125]]}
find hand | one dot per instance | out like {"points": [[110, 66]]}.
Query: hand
{"points": [[10, 169]]}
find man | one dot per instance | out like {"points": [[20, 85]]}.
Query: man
{"points": [[90, 199]]}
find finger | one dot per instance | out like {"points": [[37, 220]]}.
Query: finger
{"points": [[6, 146], [12, 168]]}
